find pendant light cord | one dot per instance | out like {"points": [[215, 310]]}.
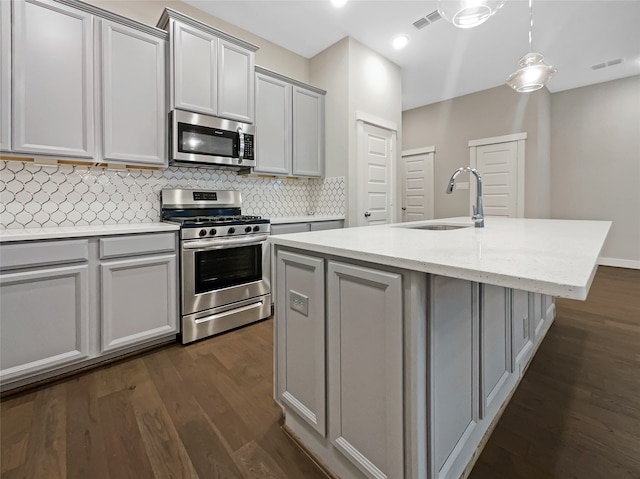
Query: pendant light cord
{"points": [[530, 24]]}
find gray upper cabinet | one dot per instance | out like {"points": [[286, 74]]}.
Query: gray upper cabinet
{"points": [[273, 125], [308, 132], [5, 76], [289, 126], [211, 72], [53, 92], [235, 82], [195, 83], [133, 95]]}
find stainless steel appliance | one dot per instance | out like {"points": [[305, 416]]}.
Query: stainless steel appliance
{"points": [[202, 140], [225, 261]]}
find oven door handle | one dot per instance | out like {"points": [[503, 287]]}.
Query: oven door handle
{"points": [[203, 245]]}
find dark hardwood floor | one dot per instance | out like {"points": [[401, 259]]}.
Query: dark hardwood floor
{"points": [[206, 410]]}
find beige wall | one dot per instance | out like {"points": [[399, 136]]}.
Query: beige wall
{"points": [[269, 55], [451, 124], [595, 172], [357, 80], [329, 70]]}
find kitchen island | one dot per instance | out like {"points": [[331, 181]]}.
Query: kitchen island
{"points": [[398, 347]]}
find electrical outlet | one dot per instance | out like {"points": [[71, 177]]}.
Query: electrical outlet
{"points": [[299, 302], [462, 185]]}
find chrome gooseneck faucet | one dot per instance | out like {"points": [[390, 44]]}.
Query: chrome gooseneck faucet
{"points": [[478, 210]]}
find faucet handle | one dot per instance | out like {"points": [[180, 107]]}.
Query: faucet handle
{"points": [[475, 210]]}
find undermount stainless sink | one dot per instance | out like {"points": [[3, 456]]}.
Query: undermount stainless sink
{"points": [[438, 227]]}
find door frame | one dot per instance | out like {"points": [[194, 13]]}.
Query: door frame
{"points": [[354, 193], [406, 154], [473, 161]]}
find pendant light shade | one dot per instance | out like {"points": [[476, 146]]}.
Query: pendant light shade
{"points": [[468, 13], [532, 75]]}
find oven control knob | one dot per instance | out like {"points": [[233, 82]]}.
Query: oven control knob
{"points": [[256, 228], [247, 229], [212, 232], [231, 231], [203, 232]]}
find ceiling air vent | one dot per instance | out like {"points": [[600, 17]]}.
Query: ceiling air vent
{"points": [[599, 66], [427, 20]]}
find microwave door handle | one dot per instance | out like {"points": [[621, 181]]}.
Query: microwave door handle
{"points": [[224, 243], [241, 137]]}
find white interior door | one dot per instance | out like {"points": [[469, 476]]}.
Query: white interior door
{"points": [[501, 165], [375, 175], [417, 185]]}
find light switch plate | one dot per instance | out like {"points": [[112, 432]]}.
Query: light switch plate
{"points": [[299, 302]]}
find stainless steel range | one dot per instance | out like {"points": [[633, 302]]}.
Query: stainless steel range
{"points": [[225, 261]]}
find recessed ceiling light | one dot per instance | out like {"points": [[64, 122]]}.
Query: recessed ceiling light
{"points": [[338, 3], [400, 42]]}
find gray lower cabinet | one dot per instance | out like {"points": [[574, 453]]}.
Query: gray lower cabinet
{"points": [[138, 300], [286, 228], [5, 76], [522, 343], [365, 381], [66, 303], [45, 319]]}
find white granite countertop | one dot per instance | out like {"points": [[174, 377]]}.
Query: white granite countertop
{"points": [[303, 219], [64, 232], [555, 257]]}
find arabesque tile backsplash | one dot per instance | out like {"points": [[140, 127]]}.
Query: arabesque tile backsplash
{"points": [[33, 195]]}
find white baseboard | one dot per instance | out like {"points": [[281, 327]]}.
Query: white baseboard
{"points": [[619, 263]]}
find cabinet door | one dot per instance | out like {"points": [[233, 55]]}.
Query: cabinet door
{"points": [[289, 228], [454, 383], [235, 82], [195, 80], [273, 126], [138, 300], [300, 334], [308, 132], [327, 225], [364, 324], [5, 76], [44, 318], [53, 79], [133, 95], [521, 343], [496, 378]]}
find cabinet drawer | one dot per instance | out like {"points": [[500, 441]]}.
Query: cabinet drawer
{"points": [[283, 229], [136, 244], [327, 225], [38, 253]]}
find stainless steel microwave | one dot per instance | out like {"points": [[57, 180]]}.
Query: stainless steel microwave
{"points": [[203, 140]]}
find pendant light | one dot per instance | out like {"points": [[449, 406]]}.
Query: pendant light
{"points": [[533, 73], [468, 13]]}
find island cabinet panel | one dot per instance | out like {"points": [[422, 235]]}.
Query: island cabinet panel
{"points": [[522, 345], [44, 318], [53, 52], [300, 334], [497, 377], [454, 382], [365, 367]]}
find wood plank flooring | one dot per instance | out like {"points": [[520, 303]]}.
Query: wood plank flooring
{"points": [[205, 411]]}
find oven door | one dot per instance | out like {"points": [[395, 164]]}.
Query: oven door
{"points": [[217, 272]]}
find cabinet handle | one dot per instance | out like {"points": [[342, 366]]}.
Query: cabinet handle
{"points": [[404, 208], [367, 214]]}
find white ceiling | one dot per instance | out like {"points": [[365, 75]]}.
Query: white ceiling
{"points": [[442, 61]]}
